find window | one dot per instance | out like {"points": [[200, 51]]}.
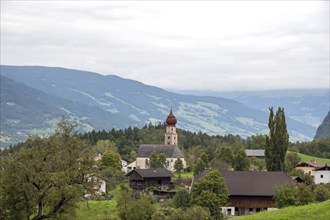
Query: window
{"points": [[174, 138], [171, 129], [168, 137], [147, 162], [168, 143], [309, 172], [321, 176]]}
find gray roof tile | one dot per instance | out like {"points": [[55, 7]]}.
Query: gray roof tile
{"points": [[171, 151], [251, 183], [148, 173]]}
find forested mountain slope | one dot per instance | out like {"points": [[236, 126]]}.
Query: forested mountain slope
{"points": [[110, 101]]}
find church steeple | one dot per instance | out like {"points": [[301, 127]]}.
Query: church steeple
{"points": [[171, 137]]}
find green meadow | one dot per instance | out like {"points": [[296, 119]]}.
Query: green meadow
{"points": [[307, 158], [98, 210], [317, 211]]}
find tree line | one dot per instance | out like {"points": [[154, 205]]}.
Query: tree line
{"points": [[46, 177]]}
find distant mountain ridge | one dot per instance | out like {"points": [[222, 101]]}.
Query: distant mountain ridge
{"points": [[305, 105], [109, 101]]}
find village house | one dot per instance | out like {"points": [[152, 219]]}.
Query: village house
{"points": [[100, 186], [322, 175], [309, 167], [250, 191], [131, 166], [140, 179], [169, 148]]}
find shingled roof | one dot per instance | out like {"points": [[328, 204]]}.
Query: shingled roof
{"points": [[326, 167], [149, 173], [251, 183], [310, 164], [255, 153], [170, 151]]}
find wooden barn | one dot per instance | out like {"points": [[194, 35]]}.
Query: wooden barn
{"points": [[250, 191], [140, 179]]}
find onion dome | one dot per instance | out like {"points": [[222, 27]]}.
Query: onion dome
{"points": [[171, 120]]}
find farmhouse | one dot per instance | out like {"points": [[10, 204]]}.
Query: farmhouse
{"points": [[322, 175], [250, 191], [140, 179], [309, 167]]}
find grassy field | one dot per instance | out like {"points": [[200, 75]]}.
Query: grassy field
{"points": [[98, 210], [185, 175], [307, 158], [317, 211]]}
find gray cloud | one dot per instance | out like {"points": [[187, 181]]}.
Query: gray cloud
{"points": [[175, 45]]}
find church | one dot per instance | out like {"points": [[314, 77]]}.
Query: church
{"points": [[169, 148]]}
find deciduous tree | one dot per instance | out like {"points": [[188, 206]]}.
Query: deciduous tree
{"points": [[182, 199], [178, 166], [291, 160], [286, 195], [47, 177], [241, 162], [111, 169], [210, 192], [157, 160], [201, 164]]}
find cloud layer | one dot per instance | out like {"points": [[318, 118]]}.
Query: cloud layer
{"points": [[182, 45]]}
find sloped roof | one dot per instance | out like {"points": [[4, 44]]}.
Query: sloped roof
{"points": [[148, 173], [326, 167], [251, 183], [310, 164], [297, 179], [255, 153], [170, 151]]}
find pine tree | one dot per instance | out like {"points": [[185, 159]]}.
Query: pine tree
{"points": [[277, 142]]}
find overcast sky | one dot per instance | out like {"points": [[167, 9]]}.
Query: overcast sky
{"points": [[197, 45]]}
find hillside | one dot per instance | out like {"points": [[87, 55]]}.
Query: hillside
{"points": [[307, 158], [110, 101], [314, 211], [323, 131], [27, 111]]}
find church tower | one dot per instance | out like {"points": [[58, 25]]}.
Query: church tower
{"points": [[171, 137]]}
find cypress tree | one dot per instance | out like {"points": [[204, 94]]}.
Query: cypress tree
{"points": [[277, 142]]}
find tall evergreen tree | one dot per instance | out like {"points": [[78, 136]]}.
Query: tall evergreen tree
{"points": [[277, 142]]}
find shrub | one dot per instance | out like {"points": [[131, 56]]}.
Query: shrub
{"points": [[322, 192]]}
